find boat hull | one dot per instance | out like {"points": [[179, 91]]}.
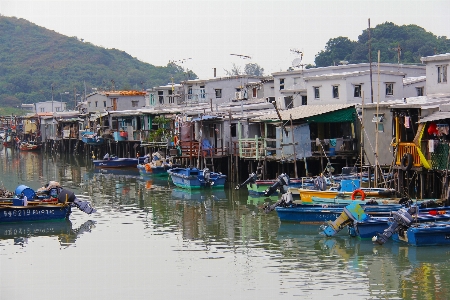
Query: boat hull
{"points": [[188, 178], [117, 162], [153, 170], [260, 186], [425, 235], [322, 213], [43, 212]]}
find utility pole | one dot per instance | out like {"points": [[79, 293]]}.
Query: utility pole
{"points": [[370, 66]]}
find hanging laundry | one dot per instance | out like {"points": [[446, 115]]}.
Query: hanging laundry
{"points": [[442, 129], [432, 129], [431, 146], [333, 142], [317, 142], [406, 121]]}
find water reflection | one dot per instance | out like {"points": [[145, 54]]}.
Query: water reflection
{"points": [[221, 237], [63, 230]]}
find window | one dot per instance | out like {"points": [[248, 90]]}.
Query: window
{"points": [[190, 92], [89, 104], [335, 91], [389, 89], [316, 92], [357, 91], [233, 130], [255, 93], [378, 120], [57, 109], [442, 73], [96, 103], [419, 91], [281, 83], [134, 103], [42, 109], [218, 93], [289, 102], [104, 103], [202, 92], [161, 97]]}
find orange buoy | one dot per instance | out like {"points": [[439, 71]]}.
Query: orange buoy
{"points": [[360, 193]]}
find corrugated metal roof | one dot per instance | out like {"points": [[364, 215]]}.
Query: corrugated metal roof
{"points": [[439, 115], [304, 111]]}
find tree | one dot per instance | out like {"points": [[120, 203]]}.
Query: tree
{"points": [[235, 70], [253, 69], [414, 41]]}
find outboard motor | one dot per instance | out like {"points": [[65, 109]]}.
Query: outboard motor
{"points": [[207, 176], [286, 199], [250, 180], [282, 183], [66, 196], [352, 213], [402, 220]]}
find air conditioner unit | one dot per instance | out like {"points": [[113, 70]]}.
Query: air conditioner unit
{"points": [[238, 95]]}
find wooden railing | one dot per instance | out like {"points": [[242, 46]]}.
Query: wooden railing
{"points": [[411, 148]]}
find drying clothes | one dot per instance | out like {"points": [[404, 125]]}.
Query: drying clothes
{"points": [[317, 142], [431, 146], [326, 141], [333, 142], [406, 121], [442, 129]]}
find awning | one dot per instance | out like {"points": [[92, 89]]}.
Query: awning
{"points": [[342, 115], [439, 115], [206, 117]]}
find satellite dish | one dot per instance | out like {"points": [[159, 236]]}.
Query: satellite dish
{"points": [[297, 62]]}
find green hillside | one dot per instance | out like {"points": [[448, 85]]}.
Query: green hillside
{"points": [[414, 41], [33, 58]]}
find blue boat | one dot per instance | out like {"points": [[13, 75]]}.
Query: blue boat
{"points": [[193, 178], [364, 226], [42, 212], [403, 227], [316, 213], [151, 170], [118, 162], [92, 138], [27, 205], [425, 234]]}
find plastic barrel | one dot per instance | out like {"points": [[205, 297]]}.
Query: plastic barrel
{"points": [[27, 191]]}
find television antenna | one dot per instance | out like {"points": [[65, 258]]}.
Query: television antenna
{"points": [[399, 52], [297, 62], [241, 56]]}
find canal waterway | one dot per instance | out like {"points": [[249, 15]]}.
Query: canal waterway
{"points": [[150, 240]]}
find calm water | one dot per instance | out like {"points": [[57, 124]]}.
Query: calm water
{"points": [[150, 240]]}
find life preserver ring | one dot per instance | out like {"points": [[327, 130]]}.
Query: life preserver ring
{"points": [[175, 140], [407, 162], [148, 168], [360, 193]]}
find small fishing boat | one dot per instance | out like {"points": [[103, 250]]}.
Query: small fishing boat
{"points": [[193, 178], [29, 146], [156, 166], [364, 226], [316, 213], [53, 203], [117, 162], [92, 138], [403, 227]]}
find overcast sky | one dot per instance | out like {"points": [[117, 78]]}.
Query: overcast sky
{"points": [[208, 31]]}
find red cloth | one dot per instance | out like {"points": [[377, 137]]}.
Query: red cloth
{"points": [[432, 129]]}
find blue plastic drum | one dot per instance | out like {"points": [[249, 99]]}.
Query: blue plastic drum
{"points": [[27, 191]]}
